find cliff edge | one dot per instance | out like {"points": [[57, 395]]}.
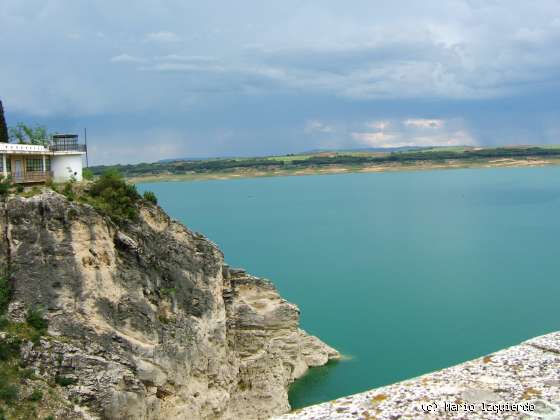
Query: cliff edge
{"points": [[145, 320]]}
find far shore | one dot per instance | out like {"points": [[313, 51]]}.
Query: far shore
{"points": [[341, 169]]}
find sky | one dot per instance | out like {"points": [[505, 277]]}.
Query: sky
{"points": [[177, 78]]}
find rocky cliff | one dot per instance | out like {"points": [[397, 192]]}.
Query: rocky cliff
{"points": [[146, 321]]}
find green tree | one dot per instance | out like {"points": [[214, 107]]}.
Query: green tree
{"points": [[4, 136], [25, 134]]}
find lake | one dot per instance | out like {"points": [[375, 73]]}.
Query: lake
{"points": [[402, 272]]}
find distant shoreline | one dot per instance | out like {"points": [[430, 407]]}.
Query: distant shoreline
{"points": [[359, 168]]}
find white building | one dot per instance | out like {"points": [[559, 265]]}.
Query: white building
{"points": [[28, 163]]}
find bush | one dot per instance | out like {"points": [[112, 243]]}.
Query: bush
{"points": [[8, 393], [36, 395], [35, 319], [19, 188], [5, 294], [9, 348], [68, 191], [64, 381], [87, 174], [5, 185], [150, 196], [113, 196]]}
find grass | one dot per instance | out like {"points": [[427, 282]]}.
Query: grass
{"points": [[22, 394]]}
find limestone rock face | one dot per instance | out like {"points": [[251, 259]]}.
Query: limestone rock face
{"points": [[146, 318]]}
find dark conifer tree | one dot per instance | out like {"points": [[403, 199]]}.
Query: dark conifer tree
{"points": [[4, 138]]}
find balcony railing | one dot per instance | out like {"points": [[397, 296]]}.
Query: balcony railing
{"points": [[31, 176], [69, 147]]}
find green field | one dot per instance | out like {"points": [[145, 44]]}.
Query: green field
{"points": [[337, 161]]}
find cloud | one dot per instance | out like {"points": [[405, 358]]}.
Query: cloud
{"points": [[187, 58], [163, 36], [314, 126], [415, 132], [423, 123], [379, 125], [125, 58], [297, 76]]}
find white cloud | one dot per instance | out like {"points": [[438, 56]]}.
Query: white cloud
{"points": [[364, 70], [187, 58], [163, 36], [379, 125], [413, 132], [125, 58], [314, 126], [423, 123]]}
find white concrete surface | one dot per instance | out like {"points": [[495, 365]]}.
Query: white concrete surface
{"points": [[64, 165]]}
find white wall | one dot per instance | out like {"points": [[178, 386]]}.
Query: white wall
{"points": [[64, 166], [19, 148]]}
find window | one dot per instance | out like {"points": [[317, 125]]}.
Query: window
{"points": [[34, 165]]}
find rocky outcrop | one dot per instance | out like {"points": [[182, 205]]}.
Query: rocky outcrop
{"points": [[520, 382], [145, 319]]}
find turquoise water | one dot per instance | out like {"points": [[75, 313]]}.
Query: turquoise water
{"points": [[404, 272]]}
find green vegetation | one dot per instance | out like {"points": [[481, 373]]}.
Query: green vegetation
{"points": [[4, 136], [87, 174], [34, 319], [25, 134], [68, 190], [109, 194], [36, 395], [150, 196], [5, 294], [5, 185], [17, 380], [64, 381], [351, 159], [112, 195]]}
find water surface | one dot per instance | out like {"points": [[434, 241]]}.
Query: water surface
{"points": [[404, 272]]}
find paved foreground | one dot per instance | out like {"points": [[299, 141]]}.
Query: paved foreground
{"points": [[519, 382]]}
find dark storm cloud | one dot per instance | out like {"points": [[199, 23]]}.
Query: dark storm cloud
{"points": [[154, 79]]}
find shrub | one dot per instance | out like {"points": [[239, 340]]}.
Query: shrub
{"points": [[9, 348], [87, 174], [8, 393], [5, 294], [150, 196], [36, 395], [113, 196], [35, 319], [19, 188], [5, 185], [64, 381], [68, 191]]}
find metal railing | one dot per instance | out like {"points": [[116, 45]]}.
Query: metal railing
{"points": [[68, 147]]}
